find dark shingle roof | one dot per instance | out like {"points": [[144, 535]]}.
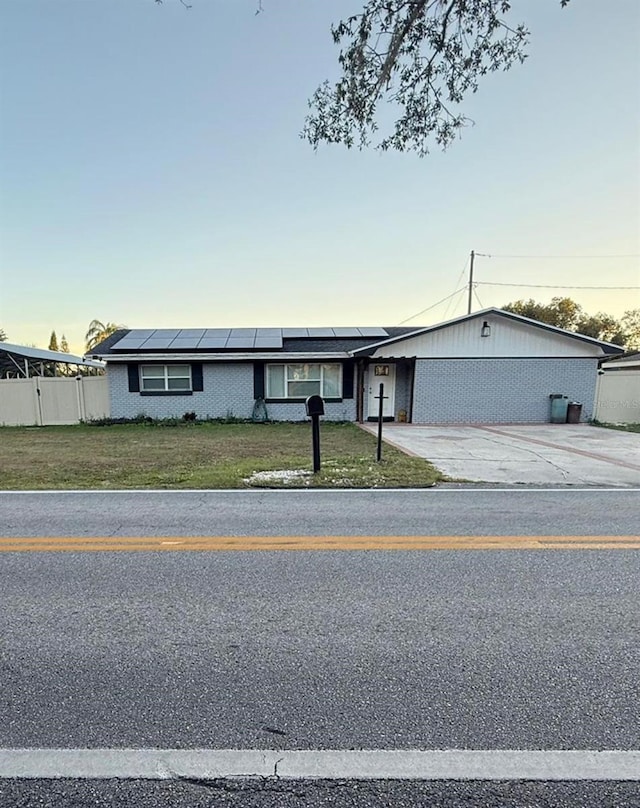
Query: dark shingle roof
{"points": [[289, 344]]}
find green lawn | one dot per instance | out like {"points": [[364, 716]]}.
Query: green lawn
{"points": [[200, 456]]}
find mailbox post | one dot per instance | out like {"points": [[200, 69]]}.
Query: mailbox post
{"points": [[315, 408], [381, 397]]}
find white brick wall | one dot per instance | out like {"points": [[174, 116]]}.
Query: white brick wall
{"points": [[228, 391], [499, 390], [344, 410]]}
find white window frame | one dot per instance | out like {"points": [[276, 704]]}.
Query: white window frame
{"points": [[286, 365], [165, 377]]}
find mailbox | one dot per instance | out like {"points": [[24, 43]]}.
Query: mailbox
{"points": [[315, 405]]}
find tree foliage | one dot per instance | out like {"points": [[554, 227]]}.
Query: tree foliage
{"points": [[423, 57], [99, 331], [564, 312], [3, 335], [53, 342]]}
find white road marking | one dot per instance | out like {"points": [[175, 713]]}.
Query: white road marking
{"points": [[377, 764], [307, 491]]}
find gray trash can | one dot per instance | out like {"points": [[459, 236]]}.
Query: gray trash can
{"points": [[574, 411], [559, 406]]}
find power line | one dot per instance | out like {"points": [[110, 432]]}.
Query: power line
{"points": [[464, 269], [491, 255], [543, 286], [431, 307]]}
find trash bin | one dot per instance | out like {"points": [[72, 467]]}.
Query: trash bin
{"points": [[574, 411], [559, 406]]}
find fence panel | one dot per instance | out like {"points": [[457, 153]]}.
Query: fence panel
{"points": [[618, 397], [95, 397], [18, 403], [59, 401], [47, 401]]}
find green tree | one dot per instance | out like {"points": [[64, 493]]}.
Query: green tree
{"points": [[99, 331], [561, 312], [53, 342], [422, 58], [630, 321], [603, 326], [564, 312], [3, 335], [64, 345]]}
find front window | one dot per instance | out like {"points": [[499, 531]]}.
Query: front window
{"points": [[165, 378], [305, 379]]}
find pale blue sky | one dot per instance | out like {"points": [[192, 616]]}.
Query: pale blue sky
{"points": [[151, 172]]}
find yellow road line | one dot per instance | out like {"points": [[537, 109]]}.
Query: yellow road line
{"points": [[246, 543]]}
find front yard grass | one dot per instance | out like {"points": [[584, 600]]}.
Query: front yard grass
{"points": [[621, 427], [201, 455]]}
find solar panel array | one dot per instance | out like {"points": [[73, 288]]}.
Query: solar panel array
{"points": [[231, 339]]}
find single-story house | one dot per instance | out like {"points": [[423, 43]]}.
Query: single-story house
{"points": [[489, 366]]}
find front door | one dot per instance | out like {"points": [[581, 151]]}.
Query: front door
{"points": [[381, 373]]}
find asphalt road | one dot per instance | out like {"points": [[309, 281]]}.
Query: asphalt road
{"points": [[320, 650], [432, 511]]}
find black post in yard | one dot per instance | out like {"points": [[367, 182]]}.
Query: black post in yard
{"points": [[380, 409], [315, 408], [315, 436]]}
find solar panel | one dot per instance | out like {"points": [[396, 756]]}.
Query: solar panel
{"points": [[129, 344], [295, 332], [154, 344], [166, 333], [191, 333], [186, 343], [212, 343], [321, 332], [346, 332], [268, 332], [243, 333], [268, 342], [142, 333], [240, 342], [217, 332], [373, 332]]}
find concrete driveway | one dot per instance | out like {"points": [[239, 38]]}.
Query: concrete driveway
{"points": [[548, 454]]}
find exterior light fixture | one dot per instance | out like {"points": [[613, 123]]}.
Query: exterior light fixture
{"points": [[486, 329]]}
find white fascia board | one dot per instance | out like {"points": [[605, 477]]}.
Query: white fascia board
{"points": [[231, 357]]}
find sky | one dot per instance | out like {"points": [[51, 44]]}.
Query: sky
{"points": [[152, 173]]}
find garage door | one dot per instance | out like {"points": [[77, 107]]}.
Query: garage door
{"points": [[481, 391]]}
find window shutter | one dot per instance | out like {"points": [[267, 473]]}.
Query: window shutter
{"points": [[134, 378], [196, 377], [347, 380], [258, 380]]}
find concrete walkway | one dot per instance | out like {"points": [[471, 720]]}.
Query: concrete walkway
{"points": [[546, 454]]}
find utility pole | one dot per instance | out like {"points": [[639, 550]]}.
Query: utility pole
{"points": [[470, 300]]}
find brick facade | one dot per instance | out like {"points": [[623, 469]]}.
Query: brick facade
{"points": [[459, 391], [228, 392]]}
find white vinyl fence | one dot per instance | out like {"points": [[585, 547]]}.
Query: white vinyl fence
{"points": [[618, 397], [45, 401]]}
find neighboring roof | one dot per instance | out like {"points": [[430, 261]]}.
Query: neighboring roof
{"points": [[607, 347], [626, 361], [42, 355]]}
